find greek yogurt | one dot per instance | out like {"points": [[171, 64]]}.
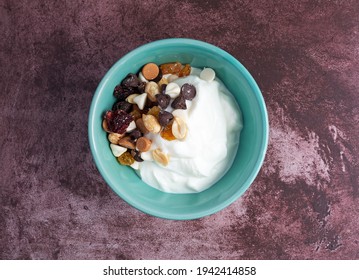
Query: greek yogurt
{"points": [[214, 123]]}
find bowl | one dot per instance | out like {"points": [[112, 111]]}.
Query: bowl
{"points": [[253, 141]]}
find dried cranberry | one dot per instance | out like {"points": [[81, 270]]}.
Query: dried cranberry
{"points": [[131, 81], [118, 121], [122, 92], [122, 105], [179, 103]]}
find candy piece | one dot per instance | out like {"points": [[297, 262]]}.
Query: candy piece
{"points": [[166, 132], [154, 111], [188, 91], [126, 158], [185, 71], [122, 105], [160, 157], [131, 126], [151, 123], [140, 100], [150, 71], [135, 134], [171, 68], [135, 165], [207, 74], [173, 90], [130, 98], [136, 155], [179, 103], [127, 142], [163, 100], [121, 92], [142, 78], [117, 150], [172, 78], [141, 126], [131, 81], [164, 118], [118, 121], [179, 129], [143, 144], [152, 89], [114, 137]]}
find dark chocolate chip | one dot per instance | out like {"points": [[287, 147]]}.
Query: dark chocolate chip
{"points": [[179, 103], [141, 87], [163, 100], [188, 91], [136, 155], [163, 88], [135, 134], [164, 118], [131, 81]]}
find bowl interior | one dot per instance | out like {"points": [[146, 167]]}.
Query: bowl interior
{"points": [[253, 142]]}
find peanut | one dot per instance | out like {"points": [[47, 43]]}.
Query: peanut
{"points": [[151, 123], [140, 125], [126, 142], [114, 137], [179, 128], [160, 157]]}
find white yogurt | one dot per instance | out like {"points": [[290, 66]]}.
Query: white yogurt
{"points": [[214, 123]]}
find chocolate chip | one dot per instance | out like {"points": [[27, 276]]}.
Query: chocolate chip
{"points": [[131, 81], [163, 100], [136, 155], [188, 91], [163, 88], [164, 118], [179, 103], [135, 134]]}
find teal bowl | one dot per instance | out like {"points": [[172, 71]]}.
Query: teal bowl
{"points": [[251, 151]]}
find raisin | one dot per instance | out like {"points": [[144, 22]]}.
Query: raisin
{"points": [[118, 121], [188, 91], [154, 111], [163, 100], [164, 118], [122, 105], [135, 134], [141, 87], [167, 134], [136, 155], [126, 158], [171, 68], [131, 81], [185, 71], [179, 103], [122, 92]]}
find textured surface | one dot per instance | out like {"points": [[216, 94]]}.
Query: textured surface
{"points": [[303, 205]]}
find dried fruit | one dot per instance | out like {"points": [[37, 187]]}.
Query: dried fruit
{"points": [[151, 123], [179, 103], [164, 118], [131, 81], [185, 71], [136, 112], [163, 100], [122, 105], [127, 142], [188, 91], [160, 157], [152, 89], [179, 129], [126, 158], [136, 155], [143, 144], [105, 126], [122, 92], [171, 68], [167, 134], [118, 121], [114, 137], [154, 111], [135, 134]]}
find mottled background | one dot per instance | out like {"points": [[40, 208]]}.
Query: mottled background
{"points": [[304, 202]]}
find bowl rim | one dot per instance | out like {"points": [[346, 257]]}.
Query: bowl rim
{"points": [[264, 119]]}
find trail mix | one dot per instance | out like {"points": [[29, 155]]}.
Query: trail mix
{"points": [[142, 108]]}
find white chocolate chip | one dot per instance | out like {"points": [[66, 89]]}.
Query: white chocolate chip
{"points": [[179, 129], [207, 74], [131, 126], [173, 90], [142, 78], [147, 156], [141, 100], [172, 78], [135, 165], [130, 98], [117, 150]]}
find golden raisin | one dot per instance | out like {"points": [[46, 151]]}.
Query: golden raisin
{"points": [[185, 71], [154, 111], [126, 159], [171, 68], [136, 112], [167, 134]]}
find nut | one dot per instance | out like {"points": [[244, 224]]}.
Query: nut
{"points": [[126, 142], [130, 98], [114, 137], [151, 123], [141, 126], [160, 157], [143, 144], [179, 128], [105, 126], [152, 89], [163, 81]]}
